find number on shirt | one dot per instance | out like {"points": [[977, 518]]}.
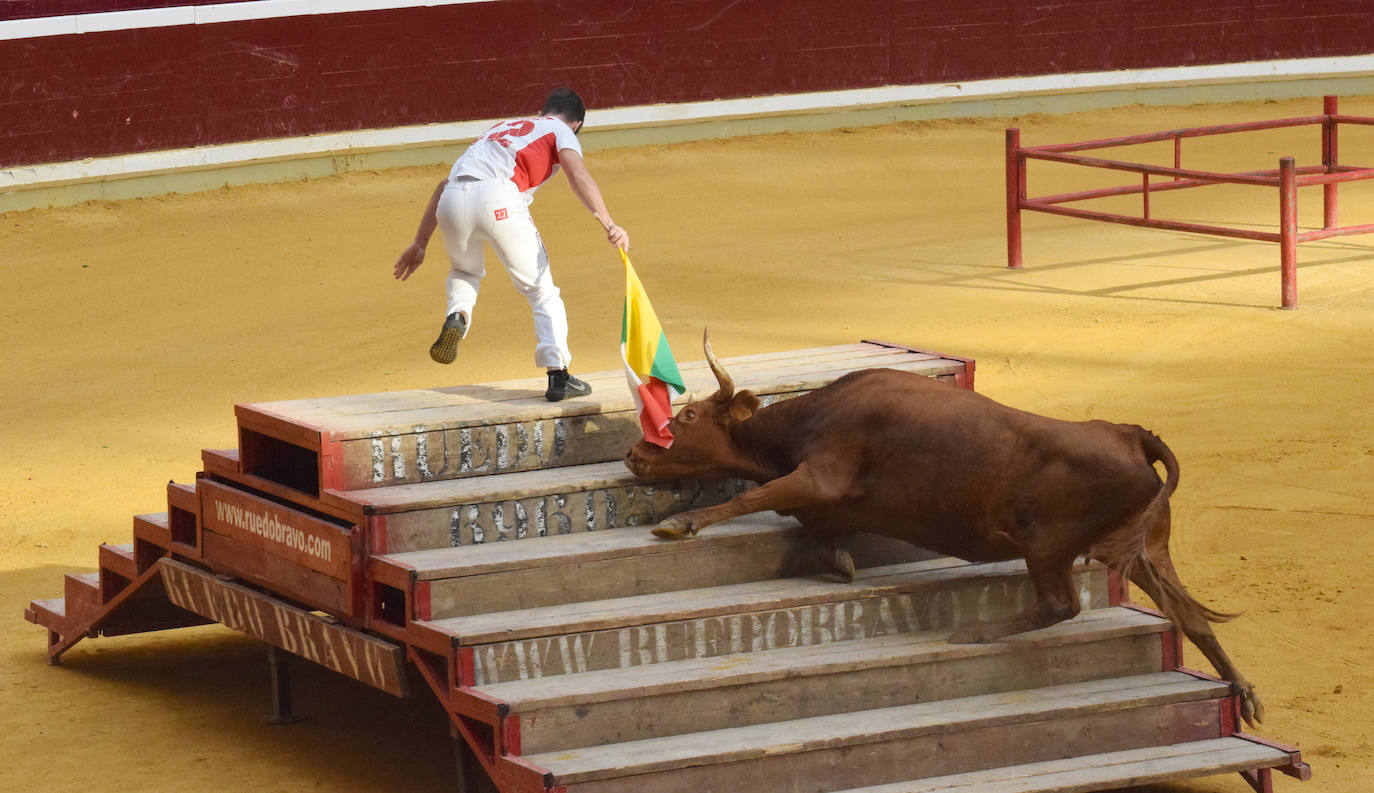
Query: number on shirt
{"points": [[513, 129]]}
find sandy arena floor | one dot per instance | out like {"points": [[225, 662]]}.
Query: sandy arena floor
{"points": [[131, 329]]}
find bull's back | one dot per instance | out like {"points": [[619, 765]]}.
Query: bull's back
{"points": [[952, 470], [885, 405]]}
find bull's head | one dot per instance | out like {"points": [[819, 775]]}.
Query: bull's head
{"points": [[702, 445]]}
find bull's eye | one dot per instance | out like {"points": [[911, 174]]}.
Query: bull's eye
{"points": [[688, 414]]}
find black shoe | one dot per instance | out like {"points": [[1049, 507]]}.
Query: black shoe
{"points": [[563, 385], [445, 348]]}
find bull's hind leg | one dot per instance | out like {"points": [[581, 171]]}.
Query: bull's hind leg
{"points": [[1158, 580], [1056, 600], [1146, 562]]}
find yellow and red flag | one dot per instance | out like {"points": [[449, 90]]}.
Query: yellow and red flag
{"points": [[652, 373]]}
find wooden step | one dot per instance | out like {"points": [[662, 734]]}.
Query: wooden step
{"points": [[183, 518], [503, 576], [152, 539], [914, 597], [376, 440], [1106, 771], [528, 504], [912, 741], [459, 512], [82, 588], [222, 466], [50, 613], [85, 609], [153, 528], [117, 569], [118, 559], [81, 596], [619, 705]]}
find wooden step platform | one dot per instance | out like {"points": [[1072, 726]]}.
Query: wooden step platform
{"points": [[656, 700], [513, 506], [376, 440], [456, 513], [729, 620], [596, 566], [118, 559], [49, 613], [1106, 771], [494, 543], [892, 744]]}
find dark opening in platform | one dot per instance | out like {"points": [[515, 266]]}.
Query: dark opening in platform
{"points": [[182, 524], [279, 461], [390, 605]]}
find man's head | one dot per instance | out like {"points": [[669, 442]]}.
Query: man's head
{"points": [[567, 105]]}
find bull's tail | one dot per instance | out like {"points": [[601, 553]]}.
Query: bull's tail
{"points": [[1139, 551], [1163, 585], [1156, 451]]}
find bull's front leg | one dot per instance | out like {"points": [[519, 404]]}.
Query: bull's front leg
{"points": [[806, 486]]}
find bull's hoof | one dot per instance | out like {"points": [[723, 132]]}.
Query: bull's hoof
{"points": [[674, 529], [844, 565], [1251, 709]]}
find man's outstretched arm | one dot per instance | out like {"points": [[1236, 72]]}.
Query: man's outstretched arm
{"points": [[414, 254], [584, 187]]}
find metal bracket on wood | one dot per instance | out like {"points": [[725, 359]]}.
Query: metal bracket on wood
{"points": [[279, 664]]}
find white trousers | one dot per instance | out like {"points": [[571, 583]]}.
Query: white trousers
{"points": [[494, 212]]}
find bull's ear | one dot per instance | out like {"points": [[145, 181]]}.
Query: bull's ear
{"points": [[742, 405]]}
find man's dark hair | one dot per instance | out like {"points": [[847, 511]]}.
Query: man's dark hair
{"points": [[565, 103]]}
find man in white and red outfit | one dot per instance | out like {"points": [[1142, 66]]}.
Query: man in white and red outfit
{"points": [[486, 199]]}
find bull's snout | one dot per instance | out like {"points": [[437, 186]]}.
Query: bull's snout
{"points": [[635, 460], [645, 459]]}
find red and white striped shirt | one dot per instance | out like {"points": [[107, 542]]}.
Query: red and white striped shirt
{"points": [[524, 151]]}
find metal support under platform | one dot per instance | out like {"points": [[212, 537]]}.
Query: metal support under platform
{"points": [[472, 778], [279, 663]]}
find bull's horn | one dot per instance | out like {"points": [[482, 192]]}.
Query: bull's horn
{"points": [[727, 384]]}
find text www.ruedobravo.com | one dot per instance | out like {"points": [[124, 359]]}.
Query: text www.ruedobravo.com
{"points": [[268, 527]]}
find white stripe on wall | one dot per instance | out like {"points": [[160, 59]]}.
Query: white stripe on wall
{"points": [[70, 24]]}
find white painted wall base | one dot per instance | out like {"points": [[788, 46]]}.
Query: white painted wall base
{"points": [[290, 159]]}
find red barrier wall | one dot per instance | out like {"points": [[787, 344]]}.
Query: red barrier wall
{"points": [[96, 94]]}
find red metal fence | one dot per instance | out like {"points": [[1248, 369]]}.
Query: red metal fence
{"points": [[1287, 178]]}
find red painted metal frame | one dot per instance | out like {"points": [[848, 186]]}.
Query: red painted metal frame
{"points": [[1287, 179], [1261, 779]]}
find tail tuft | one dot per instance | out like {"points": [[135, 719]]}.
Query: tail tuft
{"points": [[1173, 596]]}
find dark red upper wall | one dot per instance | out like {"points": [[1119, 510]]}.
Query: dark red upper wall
{"points": [[69, 97]]}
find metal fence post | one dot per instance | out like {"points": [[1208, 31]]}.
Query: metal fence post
{"points": [[1288, 232], [1016, 187], [1330, 129]]}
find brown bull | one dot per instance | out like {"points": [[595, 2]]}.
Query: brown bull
{"points": [[906, 456]]}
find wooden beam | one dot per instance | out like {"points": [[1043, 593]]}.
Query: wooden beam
{"points": [[349, 652]]}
